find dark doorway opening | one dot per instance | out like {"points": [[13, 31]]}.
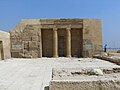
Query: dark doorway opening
{"points": [[76, 42], [61, 46], [47, 42], [1, 51]]}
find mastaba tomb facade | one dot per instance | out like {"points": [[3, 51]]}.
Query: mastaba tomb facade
{"points": [[69, 37]]}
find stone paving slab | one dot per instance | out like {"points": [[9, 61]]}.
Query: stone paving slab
{"points": [[35, 74]]}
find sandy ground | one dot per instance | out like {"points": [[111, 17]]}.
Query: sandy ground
{"points": [[35, 74]]}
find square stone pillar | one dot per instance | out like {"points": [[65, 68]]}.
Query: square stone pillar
{"points": [[40, 43], [68, 42], [55, 43]]}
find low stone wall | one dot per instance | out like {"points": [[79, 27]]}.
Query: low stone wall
{"points": [[85, 79], [87, 85]]}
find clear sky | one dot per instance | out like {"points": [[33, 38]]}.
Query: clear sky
{"points": [[12, 11]]}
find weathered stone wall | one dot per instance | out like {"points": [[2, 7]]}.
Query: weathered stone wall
{"points": [[85, 85], [4, 45], [92, 37], [26, 42]]}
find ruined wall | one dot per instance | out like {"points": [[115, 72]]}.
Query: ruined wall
{"points": [[92, 37], [4, 45]]}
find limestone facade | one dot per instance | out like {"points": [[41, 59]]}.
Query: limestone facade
{"points": [[4, 45], [35, 38]]}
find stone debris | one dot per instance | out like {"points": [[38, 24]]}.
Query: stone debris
{"points": [[108, 57], [96, 72]]}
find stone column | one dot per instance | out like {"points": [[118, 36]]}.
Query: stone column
{"points": [[55, 43], [68, 42], [40, 43]]}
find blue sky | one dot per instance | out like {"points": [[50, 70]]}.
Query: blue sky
{"points": [[12, 11]]}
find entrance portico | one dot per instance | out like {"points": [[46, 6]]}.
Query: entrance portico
{"points": [[65, 42], [61, 38]]}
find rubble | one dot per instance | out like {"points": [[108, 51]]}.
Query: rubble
{"points": [[96, 72], [108, 57]]}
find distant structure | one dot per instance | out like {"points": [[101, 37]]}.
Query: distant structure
{"points": [[36, 38], [4, 45]]}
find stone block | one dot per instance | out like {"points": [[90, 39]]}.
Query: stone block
{"points": [[33, 45], [85, 85], [85, 79]]}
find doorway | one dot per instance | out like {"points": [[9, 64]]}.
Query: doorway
{"points": [[76, 42], [61, 46], [47, 42], [1, 51]]}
